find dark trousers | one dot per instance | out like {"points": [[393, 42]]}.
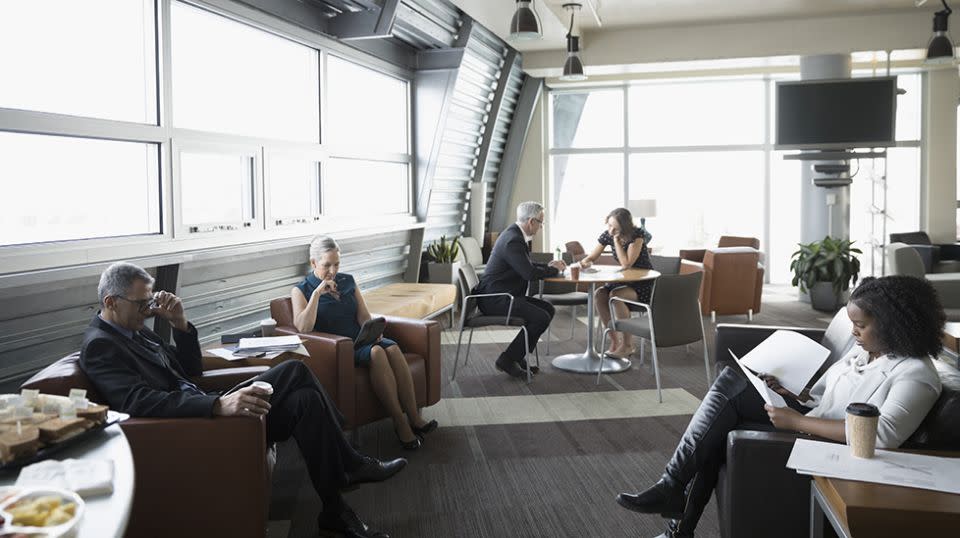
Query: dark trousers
{"points": [[734, 404], [537, 315], [301, 408]]}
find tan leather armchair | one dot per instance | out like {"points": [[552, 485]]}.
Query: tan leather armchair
{"points": [[331, 360], [200, 476], [732, 281]]}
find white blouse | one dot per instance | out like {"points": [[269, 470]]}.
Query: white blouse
{"points": [[904, 389]]}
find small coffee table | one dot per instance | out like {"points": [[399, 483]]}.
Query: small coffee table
{"points": [[869, 510], [951, 340], [589, 361]]}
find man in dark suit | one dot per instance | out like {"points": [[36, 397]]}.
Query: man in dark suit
{"points": [[510, 270], [140, 374]]}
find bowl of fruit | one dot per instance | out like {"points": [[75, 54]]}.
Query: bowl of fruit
{"points": [[41, 512]]}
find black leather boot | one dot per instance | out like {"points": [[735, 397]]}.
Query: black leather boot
{"points": [[703, 441]]}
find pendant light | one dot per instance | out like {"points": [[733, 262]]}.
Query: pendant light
{"points": [[573, 67], [940, 47], [525, 24]]}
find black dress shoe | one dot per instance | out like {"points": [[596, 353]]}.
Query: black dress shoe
{"points": [[510, 366], [426, 428], [409, 445], [660, 498], [523, 366], [374, 470], [346, 524]]}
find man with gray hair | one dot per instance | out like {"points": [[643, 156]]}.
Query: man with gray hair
{"points": [[140, 374], [510, 270]]}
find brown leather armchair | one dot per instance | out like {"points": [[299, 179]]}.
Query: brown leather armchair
{"points": [[199, 476], [331, 360], [696, 255], [732, 280]]}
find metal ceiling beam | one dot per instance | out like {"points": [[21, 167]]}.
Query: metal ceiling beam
{"points": [[368, 24], [530, 93]]}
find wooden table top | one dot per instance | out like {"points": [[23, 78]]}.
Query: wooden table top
{"points": [[607, 273], [213, 362], [873, 510], [951, 336]]}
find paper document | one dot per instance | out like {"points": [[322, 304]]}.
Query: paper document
{"points": [[768, 395], [789, 356], [885, 467], [269, 343], [232, 354]]}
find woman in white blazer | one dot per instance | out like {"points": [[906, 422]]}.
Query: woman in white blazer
{"points": [[897, 323]]}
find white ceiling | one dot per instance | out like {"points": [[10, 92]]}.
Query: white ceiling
{"points": [[496, 14]]}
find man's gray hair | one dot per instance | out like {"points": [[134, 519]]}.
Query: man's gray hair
{"points": [[322, 244], [528, 210], [119, 278]]}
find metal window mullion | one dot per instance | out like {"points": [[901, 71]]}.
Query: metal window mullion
{"points": [[626, 145]]}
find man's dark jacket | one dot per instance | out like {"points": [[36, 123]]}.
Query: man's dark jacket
{"points": [[145, 380], [510, 268]]}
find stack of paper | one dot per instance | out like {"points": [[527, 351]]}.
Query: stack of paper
{"points": [[834, 460], [87, 478], [270, 344], [789, 356]]}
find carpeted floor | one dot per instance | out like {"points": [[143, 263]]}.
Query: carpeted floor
{"points": [[544, 459]]}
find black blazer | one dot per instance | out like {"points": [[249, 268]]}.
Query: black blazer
{"points": [[135, 381], [510, 268]]}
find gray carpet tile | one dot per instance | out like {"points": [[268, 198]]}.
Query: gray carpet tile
{"points": [[540, 479]]}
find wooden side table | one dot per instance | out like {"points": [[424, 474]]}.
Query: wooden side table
{"points": [[869, 510], [213, 362]]}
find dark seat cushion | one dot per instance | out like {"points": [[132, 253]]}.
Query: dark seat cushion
{"points": [[911, 238], [940, 430], [487, 321], [61, 376]]}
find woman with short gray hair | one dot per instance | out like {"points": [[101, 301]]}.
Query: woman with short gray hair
{"points": [[330, 301]]}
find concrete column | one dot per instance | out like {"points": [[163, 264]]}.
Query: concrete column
{"points": [[938, 188], [823, 211]]}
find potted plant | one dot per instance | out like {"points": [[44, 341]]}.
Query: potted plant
{"points": [[442, 264], [825, 269]]}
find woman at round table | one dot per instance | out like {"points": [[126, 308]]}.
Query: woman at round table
{"points": [[629, 245], [330, 301]]}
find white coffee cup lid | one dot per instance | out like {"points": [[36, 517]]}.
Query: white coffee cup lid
{"points": [[268, 321], [263, 385]]}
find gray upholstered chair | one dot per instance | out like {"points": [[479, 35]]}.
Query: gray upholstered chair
{"points": [[470, 253], [673, 319], [471, 318], [558, 294], [666, 265], [903, 259]]}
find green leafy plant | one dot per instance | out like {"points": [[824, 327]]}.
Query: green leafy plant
{"points": [[830, 260], [443, 252]]}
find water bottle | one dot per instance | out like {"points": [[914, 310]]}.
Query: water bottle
{"points": [[556, 255]]}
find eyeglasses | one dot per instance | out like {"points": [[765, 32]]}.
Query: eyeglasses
{"points": [[539, 221], [143, 305]]}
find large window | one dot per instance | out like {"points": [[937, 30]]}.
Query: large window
{"points": [[58, 188], [102, 135], [702, 149], [93, 59], [232, 78]]}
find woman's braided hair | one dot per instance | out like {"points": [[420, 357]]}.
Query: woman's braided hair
{"points": [[906, 312]]}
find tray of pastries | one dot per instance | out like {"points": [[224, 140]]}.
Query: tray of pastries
{"points": [[34, 426]]}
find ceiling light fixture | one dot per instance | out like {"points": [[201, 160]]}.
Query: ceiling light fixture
{"points": [[940, 47], [573, 67], [525, 24]]}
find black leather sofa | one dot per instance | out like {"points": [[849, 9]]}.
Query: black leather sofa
{"points": [[757, 495]]}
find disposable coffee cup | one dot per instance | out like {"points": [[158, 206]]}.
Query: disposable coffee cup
{"points": [[861, 426], [268, 327], [264, 386]]}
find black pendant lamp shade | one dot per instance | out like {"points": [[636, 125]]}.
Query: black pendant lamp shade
{"points": [[940, 48], [525, 23], [573, 67]]}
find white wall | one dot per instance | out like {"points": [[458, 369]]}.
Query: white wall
{"points": [[531, 175], [938, 190]]}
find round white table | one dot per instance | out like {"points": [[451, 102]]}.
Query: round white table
{"points": [[589, 361], [106, 515]]}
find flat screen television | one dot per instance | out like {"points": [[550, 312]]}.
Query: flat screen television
{"points": [[837, 114]]}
